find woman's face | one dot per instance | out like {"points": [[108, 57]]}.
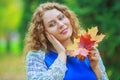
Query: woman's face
{"points": [[57, 24]]}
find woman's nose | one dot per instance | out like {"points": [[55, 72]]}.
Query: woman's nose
{"points": [[60, 24]]}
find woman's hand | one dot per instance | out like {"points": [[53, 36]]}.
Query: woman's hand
{"points": [[93, 58], [58, 47]]}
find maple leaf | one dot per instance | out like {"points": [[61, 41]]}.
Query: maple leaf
{"points": [[73, 46], [85, 42], [81, 53], [91, 38], [93, 33]]}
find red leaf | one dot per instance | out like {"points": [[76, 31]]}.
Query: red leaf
{"points": [[86, 42]]}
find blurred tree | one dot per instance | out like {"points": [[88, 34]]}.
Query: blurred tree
{"points": [[10, 16]]}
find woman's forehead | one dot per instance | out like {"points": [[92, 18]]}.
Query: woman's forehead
{"points": [[51, 14]]}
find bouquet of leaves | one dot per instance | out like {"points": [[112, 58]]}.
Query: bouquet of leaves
{"points": [[85, 42]]}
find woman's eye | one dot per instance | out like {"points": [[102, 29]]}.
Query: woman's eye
{"points": [[61, 17], [52, 24]]}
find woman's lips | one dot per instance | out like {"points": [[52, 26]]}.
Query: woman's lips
{"points": [[64, 31]]}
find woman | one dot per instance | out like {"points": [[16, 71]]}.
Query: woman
{"points": [[52, 28]]}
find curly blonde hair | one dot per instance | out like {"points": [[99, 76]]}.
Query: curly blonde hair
{"points": [[35, 38]]}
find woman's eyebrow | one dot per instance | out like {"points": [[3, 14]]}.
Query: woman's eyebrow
{"points": [[50, 21]]}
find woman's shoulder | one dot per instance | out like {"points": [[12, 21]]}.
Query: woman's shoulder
{"points": [[36, 54]]}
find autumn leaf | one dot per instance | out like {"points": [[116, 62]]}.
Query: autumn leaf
{"points": [[85, 41], [81, 51], [93, 32], [90, 38], [73, 46]]}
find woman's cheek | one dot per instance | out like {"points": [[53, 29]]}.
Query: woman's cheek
{"points": [[51, 31]]}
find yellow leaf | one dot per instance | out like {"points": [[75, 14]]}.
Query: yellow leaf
{"points": [[83, 32], [73, 46], [93, 31], [99, 38], [76, 40]]}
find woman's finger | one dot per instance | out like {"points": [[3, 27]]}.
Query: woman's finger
{"points": [[93, 57], [48, 36]]}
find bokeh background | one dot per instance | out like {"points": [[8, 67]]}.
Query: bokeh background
{"points": [[15, 16]]}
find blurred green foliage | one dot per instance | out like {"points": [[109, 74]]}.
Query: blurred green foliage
{"points": [[15, 17]]}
